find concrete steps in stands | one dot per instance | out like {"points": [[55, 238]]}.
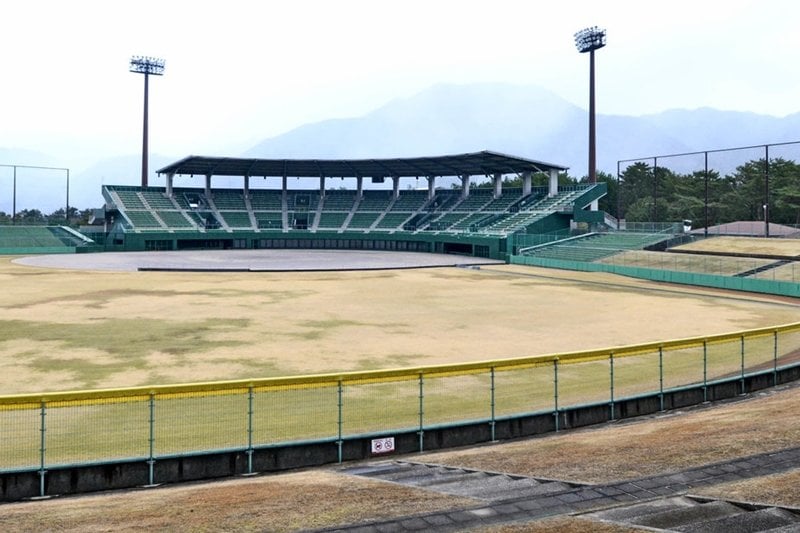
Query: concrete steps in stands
{"points": [[491, 486], [699, 515]]}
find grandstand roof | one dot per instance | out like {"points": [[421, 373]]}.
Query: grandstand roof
{"points": [[472, 164]]}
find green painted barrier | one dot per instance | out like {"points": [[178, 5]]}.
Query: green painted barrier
{"points": [[763, 286]]}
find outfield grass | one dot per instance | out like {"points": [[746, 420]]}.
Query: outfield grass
{"points": [[745, 245], [73, 330], [80, 330]]}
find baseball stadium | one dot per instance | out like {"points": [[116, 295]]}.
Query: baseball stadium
{"points": [[503, 353]]}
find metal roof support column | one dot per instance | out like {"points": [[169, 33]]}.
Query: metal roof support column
{"points": [[169, 184], [247, 186], [395, 186], [527, 183], [431, 187], [465, 185], [359, 186], [553, 190], [322, 186], [208, 185], [498, 185]]}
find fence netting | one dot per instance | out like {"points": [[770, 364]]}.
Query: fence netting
{"points": [[60, 429]]}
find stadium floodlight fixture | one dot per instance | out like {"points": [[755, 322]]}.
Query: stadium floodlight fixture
{"points": [[589, 40], [147, 66]]}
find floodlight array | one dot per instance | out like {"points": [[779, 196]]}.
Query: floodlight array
{"points": [[147, 65], [590, 39]]}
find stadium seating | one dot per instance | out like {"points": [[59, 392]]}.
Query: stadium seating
{"points": [[410, 201], [269, 219], [51, 238], [393, 220], [477, 199], [191, 209], [375, 201], [227, 200], [361, 220], [266, 200], [237, 219], [332, 220], [175, 219], [595, 246], [129, 199], [339, 201], [157, 200]]}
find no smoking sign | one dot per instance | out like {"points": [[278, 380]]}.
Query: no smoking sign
{"points": [[380, 446]]}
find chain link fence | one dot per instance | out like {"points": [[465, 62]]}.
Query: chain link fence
{"points": [[148, 424]]}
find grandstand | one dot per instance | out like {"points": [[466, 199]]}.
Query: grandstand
{"points": [[468, 220]]}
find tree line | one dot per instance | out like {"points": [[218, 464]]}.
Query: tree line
{"points": [[34, 217], [643, 193], [753, 191]]}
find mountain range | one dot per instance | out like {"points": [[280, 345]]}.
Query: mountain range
{"points": [[526, 121]]}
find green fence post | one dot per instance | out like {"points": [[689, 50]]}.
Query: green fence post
{"points": [[492, 401], [611, 369], [705, 371], [555, 390], [42, 446], [339, 421], [742, 379], [774, 358], [250, 398], [151, 461], [661, 376], [421, 431]]}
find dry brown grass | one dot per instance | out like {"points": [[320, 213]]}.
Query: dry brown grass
{"points": [[745, 245], [64, 330], [289, 502], [779, 489], [645, 447]]}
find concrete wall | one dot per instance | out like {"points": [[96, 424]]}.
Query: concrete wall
{"points": [[136, 472]]}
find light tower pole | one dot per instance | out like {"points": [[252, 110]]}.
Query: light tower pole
{"points": [[146, 66], [589, 40]]}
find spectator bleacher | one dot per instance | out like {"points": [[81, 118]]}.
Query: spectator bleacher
{"points": [[393, 220], [149, 209], [51, 239], [596, 246]]}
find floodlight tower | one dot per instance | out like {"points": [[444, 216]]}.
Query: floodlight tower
{"points": [[589, 40], [147, 66]]}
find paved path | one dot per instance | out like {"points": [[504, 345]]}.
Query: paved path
{"points": [[586, 498]]}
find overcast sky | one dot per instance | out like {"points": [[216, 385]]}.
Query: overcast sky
{"points": [[240, 71]]}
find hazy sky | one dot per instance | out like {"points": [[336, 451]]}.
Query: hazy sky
{"points": [[240, 71]]}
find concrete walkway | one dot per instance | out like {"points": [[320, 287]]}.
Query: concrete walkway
{"points": [[587, 498]]}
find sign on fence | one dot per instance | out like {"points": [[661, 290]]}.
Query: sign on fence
{"points": [[385, 445]]}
